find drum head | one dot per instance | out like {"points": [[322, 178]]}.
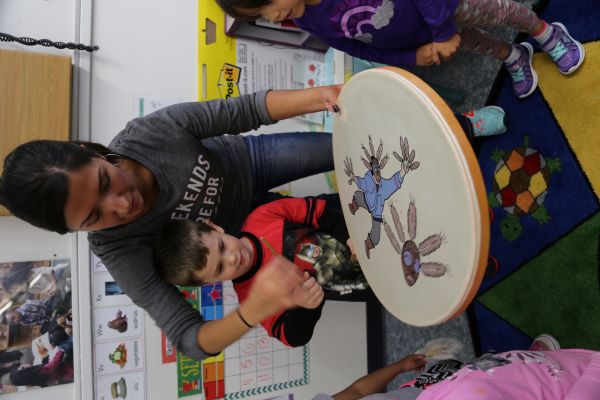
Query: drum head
{"points": [[412, 194]]}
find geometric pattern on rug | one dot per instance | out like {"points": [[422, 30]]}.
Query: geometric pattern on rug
{"points": [[543, 287], [543, 181]]}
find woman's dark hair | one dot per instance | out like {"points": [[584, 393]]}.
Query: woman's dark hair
{"points": [[179, 251], [34, 184], [235, 8]]}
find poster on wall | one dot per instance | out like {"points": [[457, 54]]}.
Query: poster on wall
{"points": [[256, 364], [36, 328], [118, 335]]}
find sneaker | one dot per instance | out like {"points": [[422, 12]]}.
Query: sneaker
{"points": [[544, 342], [567, 53], [523, 75], [487, 121]]}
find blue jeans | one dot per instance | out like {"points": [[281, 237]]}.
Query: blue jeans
{"points": [[284, 157]]}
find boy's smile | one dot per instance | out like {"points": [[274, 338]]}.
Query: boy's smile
{"points": [[228, 257]]}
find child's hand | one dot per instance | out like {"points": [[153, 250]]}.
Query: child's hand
{"points": [[413, 362], [272, 289], [309, 294], [350, 245], [425, 55], [445, 50]]}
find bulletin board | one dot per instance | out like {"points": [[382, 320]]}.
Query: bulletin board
{"points": [[35, 99]]}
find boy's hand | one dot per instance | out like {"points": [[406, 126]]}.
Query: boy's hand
{"points": [[413, 362], [350, 245], [271, 290], [445, 50], [309, 294]]}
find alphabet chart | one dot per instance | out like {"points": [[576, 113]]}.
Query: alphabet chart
{"points": [[254, 365], [118, 335]]}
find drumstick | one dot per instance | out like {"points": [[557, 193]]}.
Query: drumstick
{"points": [[275, 253], [266, 242]]}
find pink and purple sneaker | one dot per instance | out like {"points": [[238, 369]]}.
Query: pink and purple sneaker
{"points": [[567, 53], [523, 75]]}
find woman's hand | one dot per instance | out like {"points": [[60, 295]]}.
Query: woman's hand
{"points": [[330, 96], [445, 50], [271, 291], [283, 104], [309, 294]]}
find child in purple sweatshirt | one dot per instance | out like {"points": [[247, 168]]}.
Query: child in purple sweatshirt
{"points": [[423, 32]]}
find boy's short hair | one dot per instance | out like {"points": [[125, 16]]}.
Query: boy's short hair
{"points": [[180, 251]]}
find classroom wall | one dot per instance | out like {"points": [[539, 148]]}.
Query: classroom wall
{"points": [[55, 20], [147, 48]]}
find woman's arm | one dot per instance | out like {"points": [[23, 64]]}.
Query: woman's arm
{"points": [[376, 381], [283, 104]]}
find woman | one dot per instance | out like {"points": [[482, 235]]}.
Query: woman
{"points": [[176, 163]]}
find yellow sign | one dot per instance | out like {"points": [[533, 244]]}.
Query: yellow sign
{"points": [[228, 81]]}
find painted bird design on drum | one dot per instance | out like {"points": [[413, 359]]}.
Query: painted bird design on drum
{"points": [[411, 252]]}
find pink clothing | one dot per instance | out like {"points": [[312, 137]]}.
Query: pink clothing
{"points": [[524, 375]]}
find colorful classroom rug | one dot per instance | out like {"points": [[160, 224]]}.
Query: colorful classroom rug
{"points": [[543, 275]]}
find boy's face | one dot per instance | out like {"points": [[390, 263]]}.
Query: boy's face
{"points": [[228, 257], [279, 10]]}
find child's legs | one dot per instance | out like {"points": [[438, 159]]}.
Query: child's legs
{"points": [[491, 13], [478, 41], [284, 157]]}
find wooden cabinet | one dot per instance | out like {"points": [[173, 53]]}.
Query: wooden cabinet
{"points": [[35, 99]]}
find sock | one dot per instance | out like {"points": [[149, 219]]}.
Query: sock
{"points": [[542, 36], [513, 56]]}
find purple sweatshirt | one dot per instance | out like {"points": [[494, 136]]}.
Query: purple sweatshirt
{"points": [[384, 31]]}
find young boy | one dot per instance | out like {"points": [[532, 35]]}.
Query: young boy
{"points": [[310, 232]]}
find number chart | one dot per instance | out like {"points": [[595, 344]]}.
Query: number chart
{"points": [[254, 365]]}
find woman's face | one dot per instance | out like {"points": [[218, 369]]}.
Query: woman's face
{"points": [[102, 195]]}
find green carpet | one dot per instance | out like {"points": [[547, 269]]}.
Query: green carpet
{"points": [[538, 290]]}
